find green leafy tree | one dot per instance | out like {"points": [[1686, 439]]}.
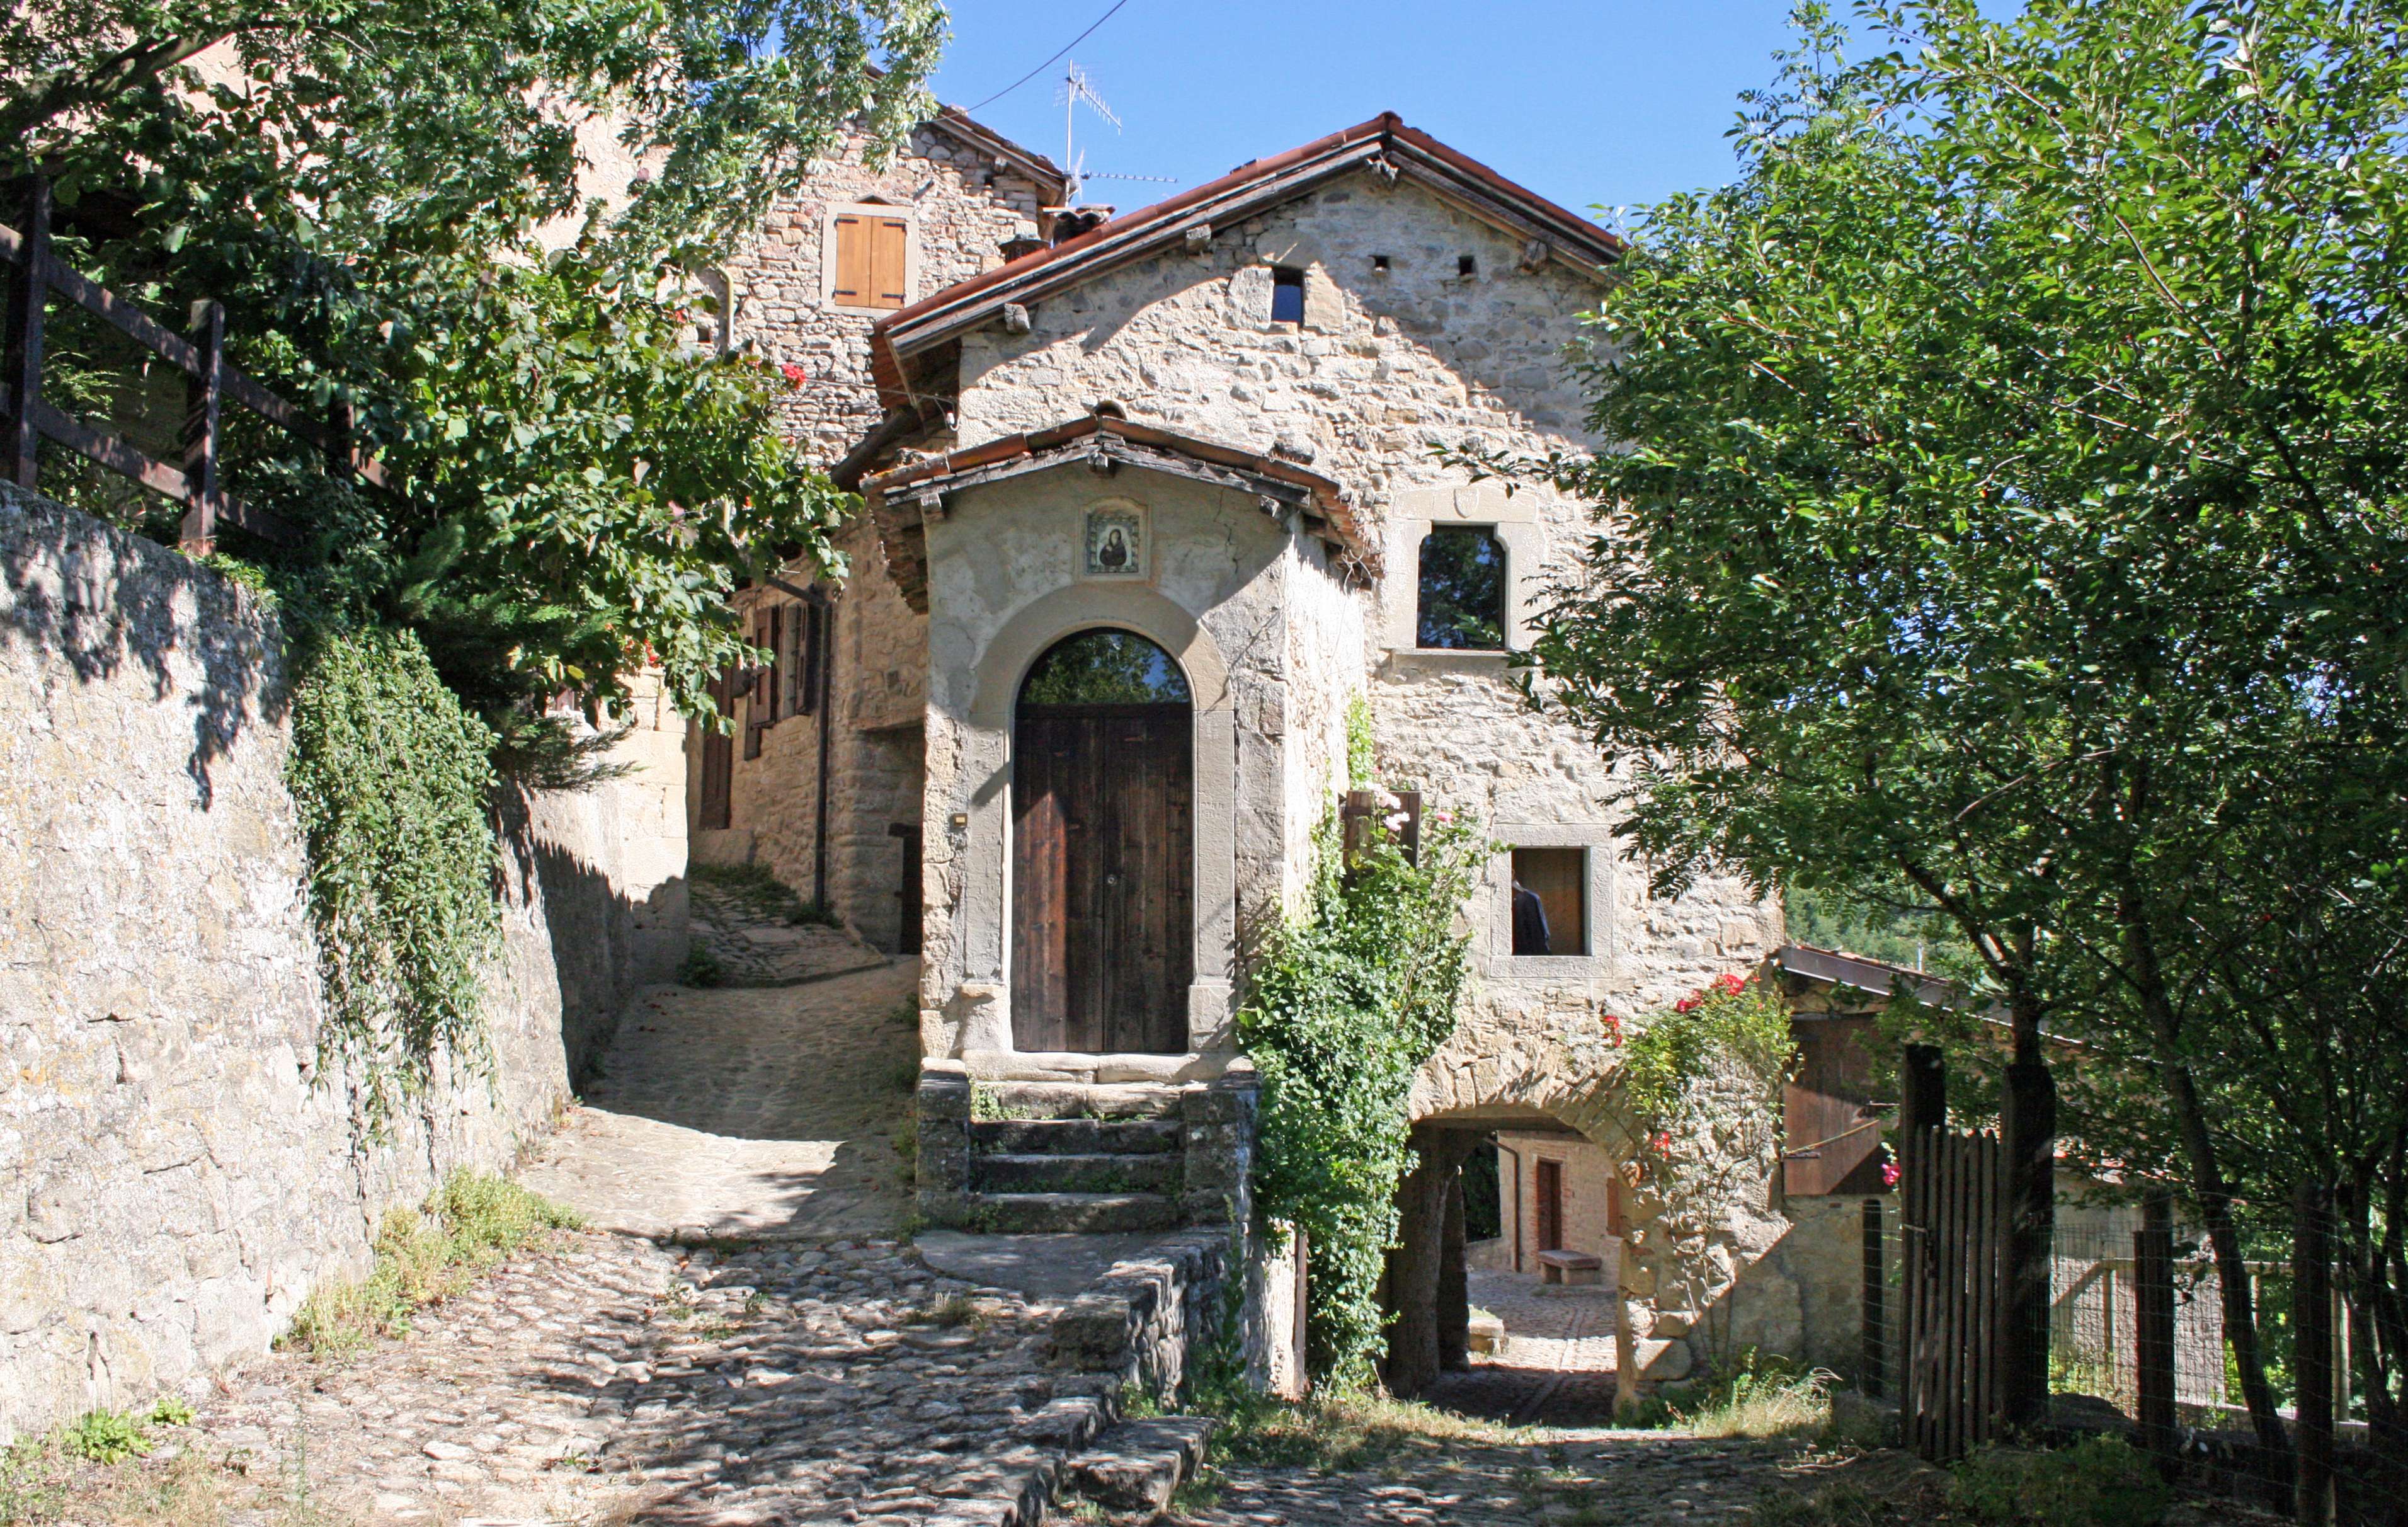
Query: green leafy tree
{"points": [[392, 199], [2010, 512]]}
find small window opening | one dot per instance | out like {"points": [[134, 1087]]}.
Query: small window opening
{"points": [[1379, 261], [1462, 590], [1467, 265], [1287, 294], [1551, 901]]}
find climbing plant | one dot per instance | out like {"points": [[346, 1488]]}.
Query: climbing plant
{"points": [[1701, 1086], [393, 778], [1349, 996]]}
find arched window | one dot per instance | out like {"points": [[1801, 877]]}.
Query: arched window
{"points": [[1105, 668], [1462, 589]]}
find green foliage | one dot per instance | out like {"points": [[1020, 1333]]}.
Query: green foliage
{"points": [[1734, 1026], [391, 201], [1105, 668], [701, 968], [2012, 513], [468, 1225], [1880, 930], [2097, 1482], [1362, 758], [391, 781], [1348, 998], [1762, 1397], [106, 1436]]}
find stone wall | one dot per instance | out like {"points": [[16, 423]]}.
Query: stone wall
{"points": [[962, 209], [880, 683], [180, 1173]]}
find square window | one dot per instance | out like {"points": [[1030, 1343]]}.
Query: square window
{"points": [[1550, 895], [1287, 294]]}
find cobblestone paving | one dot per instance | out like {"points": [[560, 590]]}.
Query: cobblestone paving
{"points": [[800, 1369], [1558, 1364], [753, 951], [768, 1113], [1629, 1479]]}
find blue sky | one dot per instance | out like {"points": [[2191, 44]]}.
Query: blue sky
{"points": [[1614, 103]]}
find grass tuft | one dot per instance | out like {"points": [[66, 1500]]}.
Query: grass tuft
{"points": [[422, 1258], [1341, 1430]]}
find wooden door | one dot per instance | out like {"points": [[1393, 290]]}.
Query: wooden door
{"points": [[1103, 872], [1831, 1126], [1550, 1181]]}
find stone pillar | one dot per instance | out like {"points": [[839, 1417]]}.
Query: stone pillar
{"points": [[1414, 1268], [1219, 1121], [944, 1163], [1453, 1283]]}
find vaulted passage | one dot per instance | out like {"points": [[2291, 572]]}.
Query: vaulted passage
{"points": [[1103, 849]]}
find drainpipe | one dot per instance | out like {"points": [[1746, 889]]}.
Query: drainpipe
{"points": [[1517, 1197]]}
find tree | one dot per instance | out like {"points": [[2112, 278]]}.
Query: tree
{"points": [[391, 198], [2009, 512]]}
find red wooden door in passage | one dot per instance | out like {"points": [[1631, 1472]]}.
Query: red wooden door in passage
{"points": [[1103, 870], [1550, 1182]]}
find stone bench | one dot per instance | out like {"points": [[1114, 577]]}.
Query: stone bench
{"points": [[1571, 1268]]}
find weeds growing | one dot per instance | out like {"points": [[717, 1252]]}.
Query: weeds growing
{"points": [[424, 1257]]}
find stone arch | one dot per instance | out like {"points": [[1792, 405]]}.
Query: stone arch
{"points": [[1148, 613]]}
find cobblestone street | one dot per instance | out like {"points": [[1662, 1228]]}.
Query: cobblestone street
{"points": [[738, 1338], [1630, 1479], [1557, 1367]]}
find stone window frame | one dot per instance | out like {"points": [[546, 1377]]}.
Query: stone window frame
{"points": [[1499, 964], [908, 215], [1412, 514]]}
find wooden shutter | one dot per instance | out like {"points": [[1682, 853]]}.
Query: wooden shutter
{"points": [[1832, 1127], [888, 240], [851, 286]]}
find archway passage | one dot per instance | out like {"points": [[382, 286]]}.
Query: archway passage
{"points": [[1103, 849]]}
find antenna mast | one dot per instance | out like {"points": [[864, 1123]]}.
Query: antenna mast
{"points": [[1075, 90]]}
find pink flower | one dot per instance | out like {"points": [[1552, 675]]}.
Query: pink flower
{"points": [[1889, 1173], [795, 375]]}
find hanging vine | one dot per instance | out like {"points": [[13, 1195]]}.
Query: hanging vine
{"points": [[1349, 998], [393, 778]]}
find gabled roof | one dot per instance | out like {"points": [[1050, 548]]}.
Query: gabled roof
{"points": [[1384, 144], [902, 500], [957, 124]]}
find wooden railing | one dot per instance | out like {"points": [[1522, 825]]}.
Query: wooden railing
{"points": [[210, 383]]}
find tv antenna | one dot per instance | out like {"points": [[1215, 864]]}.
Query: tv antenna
{"points": [[1076, 89]]}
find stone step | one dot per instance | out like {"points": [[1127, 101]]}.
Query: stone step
{"points": [[1076, 1173], [1133, 1469], [1078, 1136], [1085, 1214], [1020, 1100]]}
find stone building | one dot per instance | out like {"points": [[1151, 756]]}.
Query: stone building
{"points": [[1149, 507]]}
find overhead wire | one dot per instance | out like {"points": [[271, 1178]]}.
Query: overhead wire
{"points": [[1051, 61]]}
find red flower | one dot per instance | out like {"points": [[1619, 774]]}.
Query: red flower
{"points": [[795, 374], [1662, 1141], [1728, 984], [1687, 1004], [1889, 1173], [1614, 1028]]}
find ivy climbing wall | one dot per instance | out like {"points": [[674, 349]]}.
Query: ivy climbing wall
{"points": [[178, 1173]]}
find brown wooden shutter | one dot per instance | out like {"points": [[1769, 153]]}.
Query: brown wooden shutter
{"points": [[1833, 1130], [852, 285], [888, 240]]}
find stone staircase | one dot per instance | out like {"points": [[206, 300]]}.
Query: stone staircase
{"points": [[1019, 1156]]}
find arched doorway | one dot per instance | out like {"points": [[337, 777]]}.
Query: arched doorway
{"points": [[1103, 944]]}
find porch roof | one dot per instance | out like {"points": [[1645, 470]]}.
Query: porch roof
{"points": [[902, 501]]}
